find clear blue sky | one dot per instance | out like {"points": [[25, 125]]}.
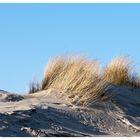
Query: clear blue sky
{"points": [[30, 34]]}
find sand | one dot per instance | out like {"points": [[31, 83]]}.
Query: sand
{"points": [[49, 114]]}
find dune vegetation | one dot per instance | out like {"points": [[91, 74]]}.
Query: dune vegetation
{"points": [[118, 71], [83, 80], [34, 87]]}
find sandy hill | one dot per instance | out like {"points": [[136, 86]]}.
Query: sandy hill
{"points": [[75, 99], [47, 113]]}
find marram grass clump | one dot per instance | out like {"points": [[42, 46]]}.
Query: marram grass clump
{"points": [[78, 77], [34, 87], [118, 71], [83, 81]]}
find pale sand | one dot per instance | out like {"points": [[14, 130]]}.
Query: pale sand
{"points": [[49, 114]]}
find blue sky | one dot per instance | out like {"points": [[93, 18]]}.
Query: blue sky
{"points": [[31, 34]]}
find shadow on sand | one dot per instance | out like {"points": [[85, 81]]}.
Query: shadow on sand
{"points": [[48, 122]]}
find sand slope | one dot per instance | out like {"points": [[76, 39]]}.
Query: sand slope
{"points": [[47, 113]]}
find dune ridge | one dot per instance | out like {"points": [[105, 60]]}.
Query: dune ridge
{"points": [[76, 98]]}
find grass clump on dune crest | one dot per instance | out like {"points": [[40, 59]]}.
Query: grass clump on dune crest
{"points": [[118, 71], [83, 81], [34, 87], [78, 77]]}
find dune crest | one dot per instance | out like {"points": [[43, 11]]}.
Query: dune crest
{"points": [[75, 98]]}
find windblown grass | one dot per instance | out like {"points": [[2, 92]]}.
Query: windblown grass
{"points": [[76, 76], [34, 87], [118, 71], [83, 81]]}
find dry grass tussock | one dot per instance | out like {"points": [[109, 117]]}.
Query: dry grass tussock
{"points": [[34, 87], [118, 71], [82, 80], [77, 77]]}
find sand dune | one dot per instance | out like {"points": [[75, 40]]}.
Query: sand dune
{"points": [[47, 113], [75, 98]]}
